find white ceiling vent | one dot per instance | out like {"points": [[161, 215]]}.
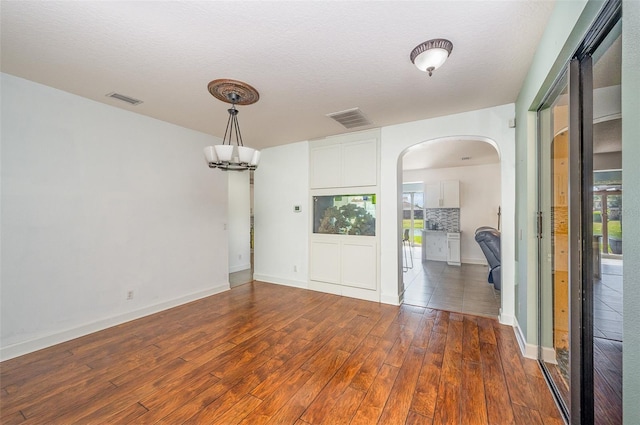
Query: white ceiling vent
{"points": [[129, 100], [350, 118]]}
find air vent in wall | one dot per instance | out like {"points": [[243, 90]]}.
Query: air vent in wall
{"points": [[129, 100], [350, 118]]}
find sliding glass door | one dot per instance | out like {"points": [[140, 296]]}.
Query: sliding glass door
{"points": [[570, 224], [553, 229]]}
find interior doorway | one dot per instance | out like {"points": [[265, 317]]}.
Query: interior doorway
{"points": [[240, 227], [451, 187]]}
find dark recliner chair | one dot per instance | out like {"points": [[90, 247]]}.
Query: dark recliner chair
{"points": [[489, 240]]}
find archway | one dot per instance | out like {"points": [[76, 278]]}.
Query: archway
{"points": [[490, 124], [450, 187]]}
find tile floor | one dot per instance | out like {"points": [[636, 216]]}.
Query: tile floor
{"points": [[461, 289], [607, 301]]}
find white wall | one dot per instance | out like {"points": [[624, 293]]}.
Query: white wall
{"points": [[98, 201], [479, 201], [281, 236], [491, 125], [239, 225], [282, 180]]}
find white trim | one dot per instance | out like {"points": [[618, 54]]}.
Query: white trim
{"points": [[281, 281], [506, 319], [530, 351], [549, 355], [39, 343], [392, 299], [239, 268], [478, 261]]}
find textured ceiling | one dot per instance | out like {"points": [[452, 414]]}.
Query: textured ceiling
{"points": [[449, 153], [306, 59]]}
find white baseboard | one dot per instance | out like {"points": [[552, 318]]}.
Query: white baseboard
{"points": [[506, 319], [391, 299], [529, 351], [479, 261], [281, 281], [549, 355], [39, 343], [239, 267]]}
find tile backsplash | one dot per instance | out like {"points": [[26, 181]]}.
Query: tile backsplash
{"points": [[447, 219]]}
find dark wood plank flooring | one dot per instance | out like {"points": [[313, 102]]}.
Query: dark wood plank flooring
{"points": [[263, 353]]}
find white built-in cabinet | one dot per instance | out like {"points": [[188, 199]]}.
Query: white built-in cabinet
{"points": [[348, 164], [442, 194], [344, 260], [345, 264]]}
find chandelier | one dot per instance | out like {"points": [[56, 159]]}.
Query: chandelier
{"points": [[227, 156]]}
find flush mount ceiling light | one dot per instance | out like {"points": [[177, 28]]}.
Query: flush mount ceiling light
{"points": [[430, 55], [229, 157]]}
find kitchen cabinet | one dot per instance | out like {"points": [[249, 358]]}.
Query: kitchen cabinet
{"points": [[443, 194], [434, 245], [453, 249], [441, 246]]}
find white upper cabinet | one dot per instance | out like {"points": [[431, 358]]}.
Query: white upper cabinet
{"points": [[450, 193], [443, 194], [350, 163], [360, 163], [326, 167]]}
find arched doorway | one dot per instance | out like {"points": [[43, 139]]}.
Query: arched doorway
{"points": [[450, 187]]}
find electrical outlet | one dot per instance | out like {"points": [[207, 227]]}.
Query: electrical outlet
{"points": [[295, 269], [239, 256], [129, 295]]}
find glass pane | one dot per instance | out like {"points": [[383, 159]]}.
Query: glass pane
{"points": [[554, 245], [418, 219], [345, 214], [608, 232], [407, 213]]}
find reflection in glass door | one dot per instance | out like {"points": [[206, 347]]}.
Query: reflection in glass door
{"points": [[554, 244]]}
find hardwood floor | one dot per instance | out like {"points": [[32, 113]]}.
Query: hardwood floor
{"points": [[263, 353]]}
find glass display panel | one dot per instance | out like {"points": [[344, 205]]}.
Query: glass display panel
{"points": [[345, 214]]}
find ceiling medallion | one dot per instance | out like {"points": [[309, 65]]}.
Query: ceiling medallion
{"points": [[233, 91]]}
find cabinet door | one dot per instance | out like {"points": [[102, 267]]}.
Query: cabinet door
{"points": [[360, 163], [432, 195], [358, 264], [326, 167], [325, 261], [450, 194], [453, 251], [436, 246]]}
